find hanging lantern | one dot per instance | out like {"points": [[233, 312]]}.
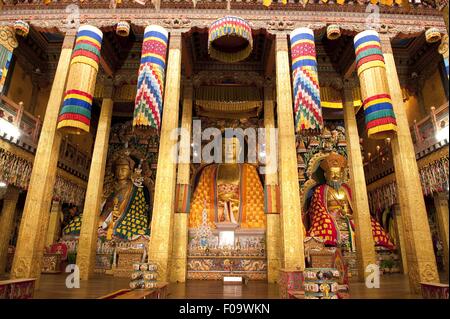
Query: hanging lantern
{"points": [[378, 111], [123, 29], [22, 28], [75, 114], [230, 39], [333, 32], [150, 86], [432, 35], [307, 109]]}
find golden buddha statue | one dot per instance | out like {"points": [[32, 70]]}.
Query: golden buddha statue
{"points": [[330, 210], [125, 213], [231, 193]]}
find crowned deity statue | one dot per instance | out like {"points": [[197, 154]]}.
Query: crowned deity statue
{"points": [[231, 193], [125, 214], [330, 209]]}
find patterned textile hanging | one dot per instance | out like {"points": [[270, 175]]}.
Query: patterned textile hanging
{"points": [[5, 60], [150, 85], [378, 111], [434, 176], [307, 109], [8, 43], [75, 114], [16, 171], [230, 39]]}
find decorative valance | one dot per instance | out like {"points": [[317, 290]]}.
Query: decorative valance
{"points": [[229, 99], [332, 98]]}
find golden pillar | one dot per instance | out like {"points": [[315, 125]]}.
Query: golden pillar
{"points": [[365, 249], [160, 245], [87, 242], [292, 252], [400, 237], [33, 228], [419, 248], [441, 205], [54, 225], [271, 185], [180, 228], [6, 224]]}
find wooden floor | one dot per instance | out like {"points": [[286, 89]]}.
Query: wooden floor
{"points": [[53, 287]]}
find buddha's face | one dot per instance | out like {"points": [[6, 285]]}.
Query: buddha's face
{"points": [[230, 150], [335, 176], [123, 172]]}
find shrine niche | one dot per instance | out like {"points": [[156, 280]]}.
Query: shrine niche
{"points": [[227, 222], [327, 198], [125, 217]]}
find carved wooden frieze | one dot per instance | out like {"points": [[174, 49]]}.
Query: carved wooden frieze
{"points": [[284, 19]]}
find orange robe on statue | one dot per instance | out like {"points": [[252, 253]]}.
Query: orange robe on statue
{"points": [[251, 198]]}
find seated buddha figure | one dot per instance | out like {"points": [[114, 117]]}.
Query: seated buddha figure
{"points": [[230, 192], [125, 213], [330, 209]]}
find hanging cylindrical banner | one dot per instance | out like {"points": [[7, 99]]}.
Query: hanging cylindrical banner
{"points": [[230, 39], [378, 110], [75, 114], [307, 109], [150, 85]]}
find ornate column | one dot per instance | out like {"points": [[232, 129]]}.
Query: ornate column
{"points": [[33, 228], [6, 224], [271, 188], [180, 227], [419, 248], [54, 224], [292, 252], [401, 237], [160, 245], [87, 242], [365, 249], [441, 205]]}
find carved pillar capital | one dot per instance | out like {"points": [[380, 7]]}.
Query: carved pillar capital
{"points": [[385, 39], [108, 89], [175, 40], [281, 42], [69, 39]]}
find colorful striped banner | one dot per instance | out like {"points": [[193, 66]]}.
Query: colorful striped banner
{"points": [[75, 114], [307, 108], [150, 87], [270, 199], [378, 110], [183, 198]]}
